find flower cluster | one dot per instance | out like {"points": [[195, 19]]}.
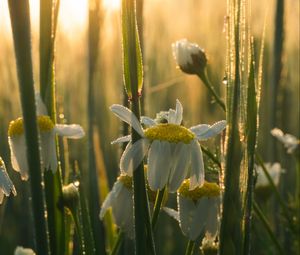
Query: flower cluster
{"points": [[173, 150], [173, 154]]}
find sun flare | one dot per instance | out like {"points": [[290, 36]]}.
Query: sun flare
{"points": [[112, 4]]}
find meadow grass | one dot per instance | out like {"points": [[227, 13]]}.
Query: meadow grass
{"points": [[88, 78]]}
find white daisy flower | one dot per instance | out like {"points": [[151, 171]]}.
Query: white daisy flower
{"points": [[290, 142], [197, 209], [173, 149], [6, 185], [23, 251], [120, 200], [47, 130], [273, 169], [190, 57]]}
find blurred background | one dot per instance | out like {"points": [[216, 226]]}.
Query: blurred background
{"points": [[164, 22]]}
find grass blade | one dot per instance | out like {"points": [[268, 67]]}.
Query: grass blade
{"points": [[93, 192], [53, 183], [20, 22]]}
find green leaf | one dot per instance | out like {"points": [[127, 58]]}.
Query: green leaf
{"points": [[20, 23], [132, 55]]}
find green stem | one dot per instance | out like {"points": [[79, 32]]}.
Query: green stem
{"points": [[211, 156], [20, 22], [278, 196], [79, 231], [92, 175], [190, 248], [143, 229], [157, 206], [203, 76], [266, 224], [117, 244]]}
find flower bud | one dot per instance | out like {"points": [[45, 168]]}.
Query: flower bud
{"points": [[191, 59], [71, 196]]}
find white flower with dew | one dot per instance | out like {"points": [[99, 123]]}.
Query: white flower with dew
{"points": [[274, 171], [120, 200], [172, 149], [189, 56], [290, 142], [197, 209], [6, 185], [23, 251], [47, 131]]}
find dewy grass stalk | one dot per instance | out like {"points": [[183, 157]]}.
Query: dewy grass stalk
{"points": [[53, 183], [231, 232], [133, 76], [20, 22], [251, 132], [93, 192]]}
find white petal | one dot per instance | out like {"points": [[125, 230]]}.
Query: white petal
{"points": [[48, 151], [133, 155], [110, 198], [23, 251], [179, 111], [148, 121], [159, 163], [203, 132], [182, 156], [123, 139], [206, 217], [18, 156], [122, 209], [1, 196], [186, 209], [127, 116], [200, 129], [172, 213], [290, 142], [172, 116], [6, 185], [40, 106], [73, 131], [212, 222], [197, 166]]}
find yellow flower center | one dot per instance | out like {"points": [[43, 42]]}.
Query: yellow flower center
{"points": [[1, 162], [126, 181], [169, 132], [16, 127], [209, 189]]}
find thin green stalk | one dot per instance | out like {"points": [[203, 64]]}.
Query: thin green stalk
{"points": [[276, 70], [283, 206], [211, 156], [251, 133], [79, 232], [203, 76], [231, 231], [157, 206], [266, 224], [190, 248], [133, 77], [20, 22], [94, 191], [142, 223], [53, 182], [117, 244]]}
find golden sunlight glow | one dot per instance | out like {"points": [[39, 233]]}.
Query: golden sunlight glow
{"points": [[111, 5]]}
